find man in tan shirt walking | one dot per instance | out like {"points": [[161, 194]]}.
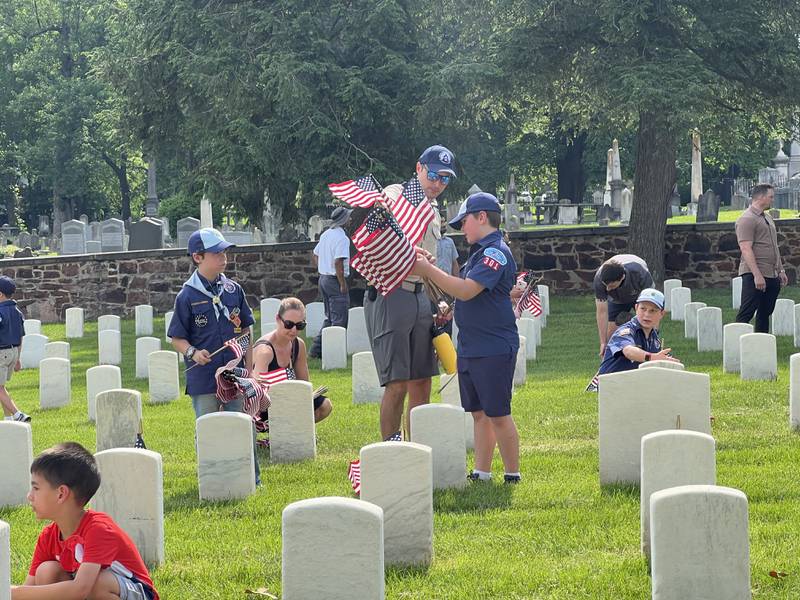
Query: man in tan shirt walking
{"points": [[761, 268]]}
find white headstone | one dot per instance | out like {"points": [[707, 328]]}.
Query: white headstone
{"points": [[32, 326], [521, 366], [758, 356], [74, 322], [635, 403], [100, 379], [291, 422], [186, 227], [56, 350], [315, 317], [709, 329], [794, 391], [269, 310], [73, 237], [680, 297], [366, 387], [225, 466], [544, 295], [736, 293], [669, 285], [119, 418], [55, 382], [162, 370], [664, 364], [441, 426], [109, 347], [112, 235], [671, 458], [93, 246], [334, 348], [144, 346], [138, 510], [105, 322], [5, 561], [699, 543], [783, 317], [527, 329], [731, 353], [357, 338], [167, 321], [398, 477], [797, 325], [16, 456], [332, 548], [144, 319], [32, 350], [690, 319], [451, 394]]}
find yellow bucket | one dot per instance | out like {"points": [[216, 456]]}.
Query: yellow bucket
{"points": [[446, 352]]}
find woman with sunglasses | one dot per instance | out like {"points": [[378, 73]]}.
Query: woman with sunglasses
{"points": [[283, 348]]}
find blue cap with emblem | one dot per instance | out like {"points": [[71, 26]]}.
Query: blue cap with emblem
{"points": [[473, 204], [439, 160], [653, 296], [208, 240]]}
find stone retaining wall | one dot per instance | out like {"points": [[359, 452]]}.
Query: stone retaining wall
{"points": [[704, 255]]}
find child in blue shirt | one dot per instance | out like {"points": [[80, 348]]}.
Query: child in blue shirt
{"points": [[11, 332]]}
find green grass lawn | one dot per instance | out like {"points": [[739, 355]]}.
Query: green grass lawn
{"points": [[557, 535]]}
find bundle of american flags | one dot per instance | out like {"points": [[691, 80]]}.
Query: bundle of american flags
{"points": [[354, 470], [235, 382], [529, 300], [386, 240]]}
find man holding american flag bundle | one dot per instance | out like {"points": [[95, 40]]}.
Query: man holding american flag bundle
{"points": [[399, 323]]}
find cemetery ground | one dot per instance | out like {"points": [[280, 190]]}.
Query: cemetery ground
{"points": [[557, 535]]}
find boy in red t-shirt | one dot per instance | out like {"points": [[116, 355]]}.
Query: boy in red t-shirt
{"points": [[82, 554]]}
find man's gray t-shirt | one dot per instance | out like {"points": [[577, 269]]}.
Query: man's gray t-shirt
{"points": [[637, 278]]}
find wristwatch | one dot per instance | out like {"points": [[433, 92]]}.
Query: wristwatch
{"points": [[647, 356], [190, 352]]}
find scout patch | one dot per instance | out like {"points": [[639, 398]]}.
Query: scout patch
{"points": [[236, 319], [496, 254], [229, 286], [200, 320], [624, 331]]}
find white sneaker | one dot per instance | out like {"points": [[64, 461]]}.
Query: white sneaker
{"points": [[23, 418]]}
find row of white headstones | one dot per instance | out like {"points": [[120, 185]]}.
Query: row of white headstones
{"points": [[435, 458]]}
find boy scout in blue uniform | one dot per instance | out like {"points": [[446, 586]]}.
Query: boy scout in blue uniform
{"points": [[11, 332], [637, 341], [488, 340], [210, 310]]}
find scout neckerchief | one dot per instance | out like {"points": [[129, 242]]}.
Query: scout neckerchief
{"points": [[196, 283]]}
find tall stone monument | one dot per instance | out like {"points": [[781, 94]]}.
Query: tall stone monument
{"points": [[616, 184], [206, 218], [697, 168], [151, 206]]}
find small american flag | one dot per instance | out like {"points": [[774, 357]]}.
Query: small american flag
{"points": [[530, 298], [412, 211], [139, 443], [354, 475], [276, 376], [238, 345], [385, 255], [594, 384], [363, 191]]}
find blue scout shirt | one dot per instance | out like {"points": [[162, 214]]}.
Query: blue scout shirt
{"points": [[486, 324], [11, 324], [629, 334], [195, 320]]}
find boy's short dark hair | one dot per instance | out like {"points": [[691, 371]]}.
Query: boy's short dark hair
{"points": [[201, 254], [494, 219], [72, 465], [611, 271]]}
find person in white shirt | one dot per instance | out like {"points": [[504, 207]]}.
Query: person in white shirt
{"points": [[332, 258]]}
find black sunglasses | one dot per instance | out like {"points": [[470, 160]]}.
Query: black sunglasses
{"points": [[289, 324]]}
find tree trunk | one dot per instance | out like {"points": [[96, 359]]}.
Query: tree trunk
{"points": [[655, 178], [124, 186], [569, 166]]}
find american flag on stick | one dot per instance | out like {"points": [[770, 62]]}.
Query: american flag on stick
{"points": [[412, 211], [238, 345], [354, 470], [385, 255], [594, 384], [530, 298], [276, 376], [361, 192]]}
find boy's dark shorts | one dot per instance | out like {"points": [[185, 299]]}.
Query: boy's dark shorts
{"points": [[486, 383], [614, 309]]}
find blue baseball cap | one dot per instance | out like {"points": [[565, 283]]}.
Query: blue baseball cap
{"points": [[438, 159], [653, 296], [473, 204], [7, 286], [208, 240]]}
